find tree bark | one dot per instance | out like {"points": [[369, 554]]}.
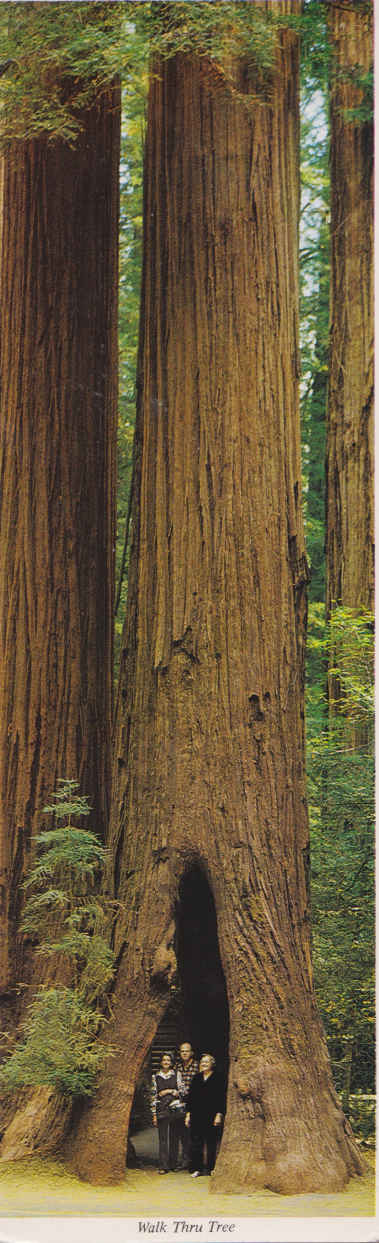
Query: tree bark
{"points": [[209, 747], [57, 473], [350, 432]]}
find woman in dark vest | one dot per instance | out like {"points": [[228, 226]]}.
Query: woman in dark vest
{"points": [[164, 1091], [206, 1108]]}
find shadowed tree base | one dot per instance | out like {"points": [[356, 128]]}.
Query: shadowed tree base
{"points": [[38, 1127]]}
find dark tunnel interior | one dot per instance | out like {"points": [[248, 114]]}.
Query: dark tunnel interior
{"points": [[205, 1014]]}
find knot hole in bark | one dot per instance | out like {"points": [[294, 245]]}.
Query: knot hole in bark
{"points": [[259, 707], [257, 713], [186, 646]]}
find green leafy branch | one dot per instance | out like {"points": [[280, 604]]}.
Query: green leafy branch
{"points": [[60, 1042]]}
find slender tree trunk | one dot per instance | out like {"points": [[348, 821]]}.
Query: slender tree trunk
{"points": [[57, 474], [209, 750], [347, 1075], [350, 503], [316, 419]]}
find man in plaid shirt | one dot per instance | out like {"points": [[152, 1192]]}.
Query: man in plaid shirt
{"points": [[186, 1068]]}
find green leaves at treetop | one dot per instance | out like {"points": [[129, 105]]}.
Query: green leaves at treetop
{"points": [[55, 58], [221, 31]]}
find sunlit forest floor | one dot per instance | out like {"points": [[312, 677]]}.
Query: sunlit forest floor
{"points": [[38, 1188]]}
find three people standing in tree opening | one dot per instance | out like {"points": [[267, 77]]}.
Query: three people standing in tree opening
{"points": [[188, 1104]]}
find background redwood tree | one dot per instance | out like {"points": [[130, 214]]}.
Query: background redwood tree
{"points": [[350, 432], [208, 786], [345, 758], [57, 472]]}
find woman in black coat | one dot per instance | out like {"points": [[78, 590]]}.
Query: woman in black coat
{"points": [[206, 1108]]}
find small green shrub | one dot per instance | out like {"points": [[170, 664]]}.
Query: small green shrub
{"points": [[361, 1113], [59, 1044]]}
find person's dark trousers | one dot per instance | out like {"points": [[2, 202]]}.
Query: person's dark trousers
{"points": [[208, 1136], [168, 1143], [212, 1136], [184, 1140]]}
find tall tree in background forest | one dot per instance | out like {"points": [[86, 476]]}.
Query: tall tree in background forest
{"points": [[314, 320], [57, 454], [350, 505], [342, 760], [208, 788]]}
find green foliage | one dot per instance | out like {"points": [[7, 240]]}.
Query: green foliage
{"points": [[350, 644], [362, 113], [220, 31], [56, 58], [340, 743], [341, 805], [66, 853], [362, 1110], [60, 1044], [357, 76]]}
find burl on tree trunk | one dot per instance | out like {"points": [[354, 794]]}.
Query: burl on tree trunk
{"points": [[209, 749]]}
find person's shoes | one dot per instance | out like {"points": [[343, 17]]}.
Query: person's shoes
{"points": [[162, 1171], [196, 1174]]}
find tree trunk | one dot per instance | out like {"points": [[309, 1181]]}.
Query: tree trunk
{"points": [[316, 407], [57, 473], [209, 750], [350, 502], [347, 1075]]}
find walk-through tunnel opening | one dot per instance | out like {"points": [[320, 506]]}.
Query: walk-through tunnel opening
{"points": [[198, 1010], [205, 1017]]}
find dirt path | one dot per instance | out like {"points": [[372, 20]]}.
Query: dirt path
{"points": [[40, 1188]]}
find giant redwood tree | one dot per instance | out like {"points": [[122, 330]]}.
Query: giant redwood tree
{"points": [[350, 433], [209, 821], [58, 369]]}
